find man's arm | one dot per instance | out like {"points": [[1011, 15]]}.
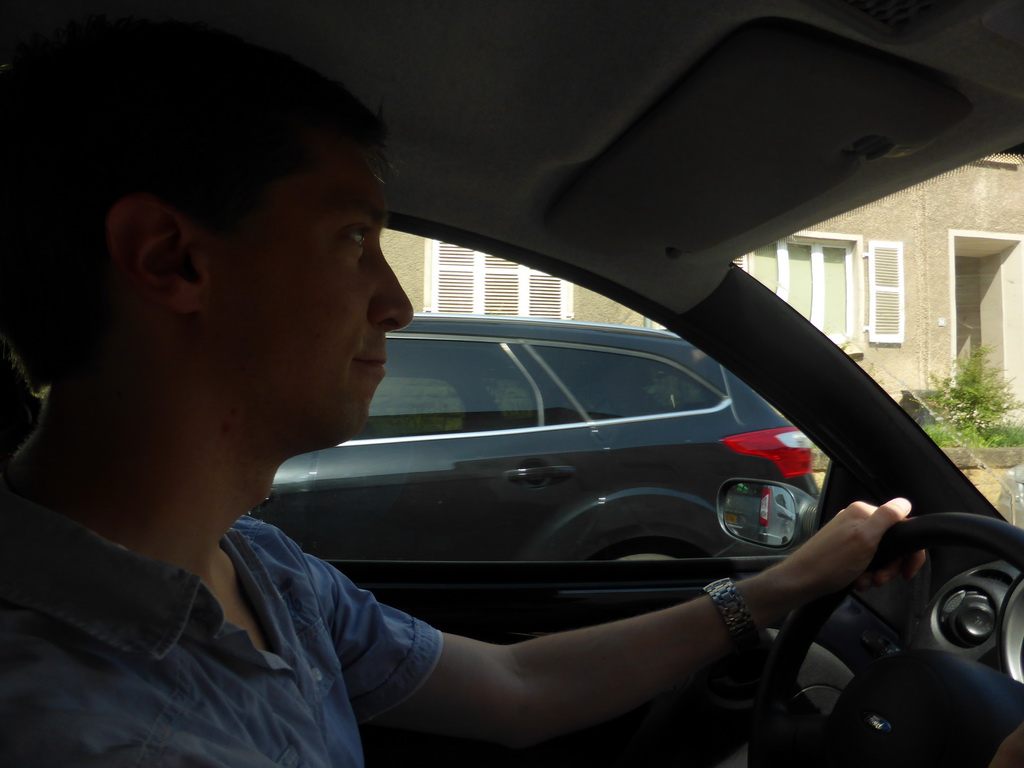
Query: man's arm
{"points": [[524, 693]]}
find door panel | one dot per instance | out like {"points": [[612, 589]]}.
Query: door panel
{"points": [[463, 497], [510, 602]]}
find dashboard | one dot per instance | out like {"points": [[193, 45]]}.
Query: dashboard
{"points": [[979, 614]]}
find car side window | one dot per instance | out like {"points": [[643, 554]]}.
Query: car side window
{"points": [[497, 438], [611, 385], [479, 388]]}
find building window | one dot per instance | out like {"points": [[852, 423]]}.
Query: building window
{"points": [[814, 276], [469, 282]]}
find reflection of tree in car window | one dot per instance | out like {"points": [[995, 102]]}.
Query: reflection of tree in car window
{"points": [[414, 406], [512, 399], [674, 391], [666, 391], [611, 385], [439, 386]]}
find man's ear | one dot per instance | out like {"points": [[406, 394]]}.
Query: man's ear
{"points": [[153, 246]]}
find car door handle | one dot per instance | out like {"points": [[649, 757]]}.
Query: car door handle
{"points": [[539, 476]]}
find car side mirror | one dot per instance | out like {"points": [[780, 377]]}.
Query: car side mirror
{"points": [[770, 514]]}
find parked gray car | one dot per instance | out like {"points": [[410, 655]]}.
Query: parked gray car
{"points": [[495, 439]]}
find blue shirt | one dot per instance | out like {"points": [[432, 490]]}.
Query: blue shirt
{"points": [[108, 658]]}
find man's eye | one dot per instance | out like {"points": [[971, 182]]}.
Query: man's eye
{"points": [[359, 235]]}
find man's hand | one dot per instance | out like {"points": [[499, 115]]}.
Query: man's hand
{"points": [[1011, 751], [832, 559], [841, 551]]}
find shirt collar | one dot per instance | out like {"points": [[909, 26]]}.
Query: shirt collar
{"points": [[53, 565]]}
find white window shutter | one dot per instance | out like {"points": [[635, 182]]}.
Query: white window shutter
{"points": [[456, 279], [501, 293], [455, 256], [470, 282], [886, 285], [501, 289], [546, 295]]}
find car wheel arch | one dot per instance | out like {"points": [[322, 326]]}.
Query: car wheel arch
{"points": [[636, 515]]}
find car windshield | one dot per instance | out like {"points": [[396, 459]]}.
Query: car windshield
{"points": [[923, 290]]}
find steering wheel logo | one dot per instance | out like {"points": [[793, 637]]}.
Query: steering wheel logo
{"points": [[877, 722]]}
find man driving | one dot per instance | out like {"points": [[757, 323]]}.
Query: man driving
{"points": [[191, 272]]}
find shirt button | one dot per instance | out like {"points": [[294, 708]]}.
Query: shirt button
{"points": [[317, 674]]}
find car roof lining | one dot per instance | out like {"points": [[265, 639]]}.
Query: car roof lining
{"points": [[496, 109]]}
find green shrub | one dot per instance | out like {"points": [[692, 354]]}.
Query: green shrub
{"points": [[974, 403], [1001, 436]]}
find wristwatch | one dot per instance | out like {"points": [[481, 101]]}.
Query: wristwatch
{"points": [[730, 605]]}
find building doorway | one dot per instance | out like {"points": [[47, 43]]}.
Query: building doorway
{"points": [[989, 300]]}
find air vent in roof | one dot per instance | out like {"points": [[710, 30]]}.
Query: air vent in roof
{"points": [[893, 13]]}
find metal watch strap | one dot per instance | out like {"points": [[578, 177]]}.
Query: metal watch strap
{"points": [[730, 605]]}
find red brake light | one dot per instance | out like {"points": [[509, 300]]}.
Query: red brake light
{"points": [[764, 514], [788, 448]]}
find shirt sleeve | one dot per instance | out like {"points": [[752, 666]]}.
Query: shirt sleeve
{"points": [[385, 654]]}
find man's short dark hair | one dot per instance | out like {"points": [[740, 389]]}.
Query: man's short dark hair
{"points": [[198, 117]]}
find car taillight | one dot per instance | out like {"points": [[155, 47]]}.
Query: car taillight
{"points": [[764, 514], [788, 448]]}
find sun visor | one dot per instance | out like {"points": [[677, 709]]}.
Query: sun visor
{"points": [[768, 121]]}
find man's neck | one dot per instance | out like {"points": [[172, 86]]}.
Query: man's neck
{"points": [[164, 482]]}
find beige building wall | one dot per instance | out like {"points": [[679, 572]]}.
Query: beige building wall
{"points": [[595, 308], [407, 255], [974, 216]]}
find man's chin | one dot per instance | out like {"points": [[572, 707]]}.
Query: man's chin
{"points": [[320, 440], [349, 426]]}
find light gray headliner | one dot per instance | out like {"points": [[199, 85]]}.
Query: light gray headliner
{"points": [[494, 107]]}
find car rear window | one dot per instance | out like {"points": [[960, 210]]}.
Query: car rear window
{"points": [[611, 385]]}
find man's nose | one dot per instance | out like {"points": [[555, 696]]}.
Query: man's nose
{"points": [[390, 308]]}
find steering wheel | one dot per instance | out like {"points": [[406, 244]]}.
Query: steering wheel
{"points": [[914, 708]]}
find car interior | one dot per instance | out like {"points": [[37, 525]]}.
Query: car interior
{"points": [[638, 149]]}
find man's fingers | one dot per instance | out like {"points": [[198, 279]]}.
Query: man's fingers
{"points": [[887, 515], [907, 567], [913, 563], [863, 582], [885, 574], [874, 522]]}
